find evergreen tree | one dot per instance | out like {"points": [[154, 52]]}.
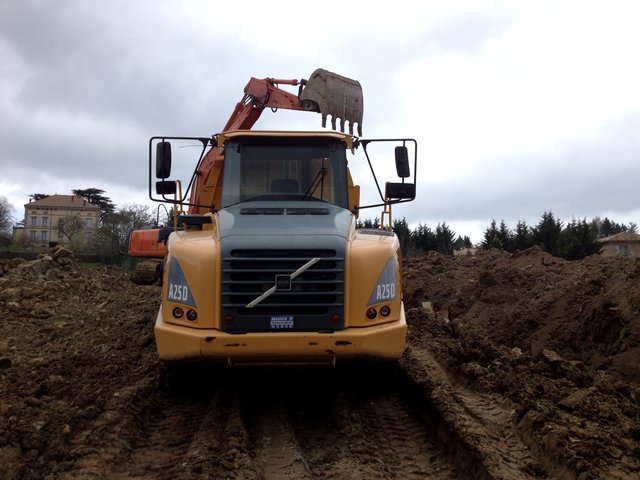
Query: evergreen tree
{"points": [[462, 242], [95, 196], [523, 237], [505, 237], [38, 196], [423, 239], [402, 230], [609, 227], [368, 223], [491, 237], [547, 232], [578, 240], [444, 239]]}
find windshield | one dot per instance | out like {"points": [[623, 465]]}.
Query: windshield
{"points": [[284, 172]]}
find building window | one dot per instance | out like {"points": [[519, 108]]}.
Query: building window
{"points": [[89, 223], [623, 250], [34, 221], [43, 235], [45, 221], [32, 235]]}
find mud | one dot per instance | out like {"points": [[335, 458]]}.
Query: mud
{"points": [[517, 366]]}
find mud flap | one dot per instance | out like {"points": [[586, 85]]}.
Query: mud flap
{"points": [[335, 95]]}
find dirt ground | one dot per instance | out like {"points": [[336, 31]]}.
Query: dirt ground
{"points": [[516, 366]]}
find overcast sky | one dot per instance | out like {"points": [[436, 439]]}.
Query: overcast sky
{"points": [[518, 107]]}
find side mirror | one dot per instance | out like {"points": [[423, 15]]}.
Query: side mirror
{"points": [[166, 187], [400, 191], [402, 162], [163, 160]]}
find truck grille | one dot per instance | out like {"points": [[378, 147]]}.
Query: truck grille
{"points": [[310, 300]]}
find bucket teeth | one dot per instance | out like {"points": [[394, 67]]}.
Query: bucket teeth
{"points": [[337, 96]]}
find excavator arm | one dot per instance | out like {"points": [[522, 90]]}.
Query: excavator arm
{"points": [[259, 94], [325, 92]]}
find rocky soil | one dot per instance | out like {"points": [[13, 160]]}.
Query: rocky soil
{"points": [[516, 366]]}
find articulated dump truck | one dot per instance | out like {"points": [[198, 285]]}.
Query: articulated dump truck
{"points": [[266, 264]]}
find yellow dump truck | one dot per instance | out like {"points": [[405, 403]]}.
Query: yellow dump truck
{"points": [[266, 263]]}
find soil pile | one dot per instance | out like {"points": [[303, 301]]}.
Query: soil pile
{"points": [[559, 339], [69, 338]]}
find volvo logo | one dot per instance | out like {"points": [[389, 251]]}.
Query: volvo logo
{"points": [[282, 283]]}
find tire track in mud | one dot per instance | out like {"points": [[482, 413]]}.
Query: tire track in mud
{"points": [[164, 440], [347, 424], [356, 422], [476, 426], [146, 439]]}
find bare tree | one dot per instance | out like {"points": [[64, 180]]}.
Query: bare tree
{"points": [[113, 235], [70, 225], [6, 217]]}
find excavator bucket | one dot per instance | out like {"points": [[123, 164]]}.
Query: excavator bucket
{"points": [[335, 95]]}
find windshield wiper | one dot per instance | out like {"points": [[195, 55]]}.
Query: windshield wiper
{"points": [[318, 180]]}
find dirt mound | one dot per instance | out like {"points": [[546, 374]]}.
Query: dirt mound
{"points": [[525, 363], [68, 337], [560, 339]]}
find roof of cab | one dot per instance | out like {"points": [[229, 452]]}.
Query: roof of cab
{"points": [[224, 136]]}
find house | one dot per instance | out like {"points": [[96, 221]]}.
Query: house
{"points": [[57, 219], [625, 244]]}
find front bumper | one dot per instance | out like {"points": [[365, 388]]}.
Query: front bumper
{"points": [[379, 342]]}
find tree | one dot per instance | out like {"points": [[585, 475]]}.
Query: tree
{"points": [[38, 196], [462, 242], [368, 223], [401, 229], [547, 232], [6, 220], [492, 237], [523, 237], [95, 196], [423, 239], [505, 236], [70, 225], [578, 240], [444, 239], [113, 235]]}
